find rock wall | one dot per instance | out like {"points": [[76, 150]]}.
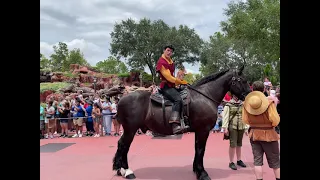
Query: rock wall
{"points": [[44, 95], [45, 76], [85, 78]]}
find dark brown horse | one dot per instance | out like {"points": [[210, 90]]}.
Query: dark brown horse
{"points": [[137, 110]]}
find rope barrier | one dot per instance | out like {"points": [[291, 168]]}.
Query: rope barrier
{"points": [[103, 114]]}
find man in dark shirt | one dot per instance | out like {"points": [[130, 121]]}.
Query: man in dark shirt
{"points": [[79, 119]]}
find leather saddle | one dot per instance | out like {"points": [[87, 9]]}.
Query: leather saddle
{"points": [[160, 99]]}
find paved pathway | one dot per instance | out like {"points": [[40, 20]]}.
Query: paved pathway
{"points": [[151, 159]]}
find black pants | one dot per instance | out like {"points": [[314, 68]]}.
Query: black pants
{"points": [[174, 96], [89, 126]]}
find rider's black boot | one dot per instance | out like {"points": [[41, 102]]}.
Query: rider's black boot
{"points": [[175, 122]]}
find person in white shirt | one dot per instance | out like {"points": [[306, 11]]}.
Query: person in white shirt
{"points": [[114, 120], [267, 83], [273, 97], [106, 114]]}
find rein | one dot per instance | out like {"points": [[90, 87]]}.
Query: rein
{"points": [[233, 83], [190, 87]]}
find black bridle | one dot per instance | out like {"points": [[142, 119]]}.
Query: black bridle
{"points": [[234, 79]]}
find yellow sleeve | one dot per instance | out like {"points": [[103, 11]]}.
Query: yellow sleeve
{"points": [[274, 117], [166, 74], [225, 117]]}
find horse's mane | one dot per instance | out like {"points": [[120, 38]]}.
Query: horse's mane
{"points": [[209, 78]]}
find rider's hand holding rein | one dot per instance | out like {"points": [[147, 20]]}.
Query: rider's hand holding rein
{"points": [[179, 82], [166, 73]]}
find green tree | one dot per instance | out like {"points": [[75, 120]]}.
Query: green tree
{"points": [[258, 22], [142, 42], [146, 78], [112, 65], [190, 78], [250, 34], [75, 57], [222, 52], [59, 57], [197, 77], [44, 62]]}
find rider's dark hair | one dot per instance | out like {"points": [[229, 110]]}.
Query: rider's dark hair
{"points": [[170, 47]]}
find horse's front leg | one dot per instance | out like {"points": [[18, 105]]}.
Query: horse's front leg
{"points": [[200, 147], [120, 161]]}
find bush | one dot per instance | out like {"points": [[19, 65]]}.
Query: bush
{"points": [[123, 75], [95, 69], [46, 70], [146, 78], [70, 75], [87, 84], [52, 86]]}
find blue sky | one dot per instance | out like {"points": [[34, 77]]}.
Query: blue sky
{"points": [[86, 24]]}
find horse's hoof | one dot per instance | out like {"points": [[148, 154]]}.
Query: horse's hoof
{"points": [[131, 176], [119, 172]]}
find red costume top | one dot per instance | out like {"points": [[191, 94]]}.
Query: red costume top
{"points": [[163, 63]]}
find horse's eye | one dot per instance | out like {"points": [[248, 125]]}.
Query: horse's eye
{"points": [[233, 78]]}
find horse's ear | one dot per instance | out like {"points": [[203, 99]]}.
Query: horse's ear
{"points": [[241, 70]]}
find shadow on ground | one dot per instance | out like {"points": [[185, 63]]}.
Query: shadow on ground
{"points": [[185, 173]]}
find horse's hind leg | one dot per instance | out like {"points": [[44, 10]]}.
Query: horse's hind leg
{"points": [[120, 160], [200, 147]]}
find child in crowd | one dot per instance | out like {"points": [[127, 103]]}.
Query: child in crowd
{"points": [[217, 127]]}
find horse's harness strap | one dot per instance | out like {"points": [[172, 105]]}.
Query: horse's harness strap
{"points": [[233, 83], [190, 87], [164, 110]]}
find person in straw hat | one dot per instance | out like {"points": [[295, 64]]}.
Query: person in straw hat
{"points": [[234, 129], [261, 114]]}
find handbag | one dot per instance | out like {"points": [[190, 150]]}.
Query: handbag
{"points": [[227, 137]]}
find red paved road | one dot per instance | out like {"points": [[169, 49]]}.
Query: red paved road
{"points": [[91, 159]]}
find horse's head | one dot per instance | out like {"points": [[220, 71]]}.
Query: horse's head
{"points": [[239, 85]]}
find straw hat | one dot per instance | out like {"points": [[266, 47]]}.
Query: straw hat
{"points": [[256, 103]]}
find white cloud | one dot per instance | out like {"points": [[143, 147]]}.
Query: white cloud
{"points": [[87, 24], [89, 49], [96, 34]]}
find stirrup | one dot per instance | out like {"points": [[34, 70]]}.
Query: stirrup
{"points": [[184, 127]]}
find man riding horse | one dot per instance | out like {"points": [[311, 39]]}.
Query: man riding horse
{"points": [[165, 67]]}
